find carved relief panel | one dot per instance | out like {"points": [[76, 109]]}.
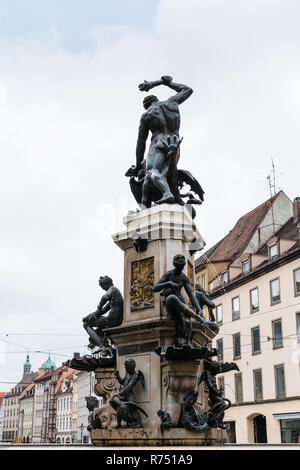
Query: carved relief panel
{"points": [[142, 282]]}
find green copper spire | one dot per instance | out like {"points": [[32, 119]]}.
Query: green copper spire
{"points": [[48, 364], [27, 366]]}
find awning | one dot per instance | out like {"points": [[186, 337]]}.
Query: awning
{"points": [[287, 415]]}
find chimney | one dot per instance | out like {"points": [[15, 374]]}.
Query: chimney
{"points": [[296, 208]]}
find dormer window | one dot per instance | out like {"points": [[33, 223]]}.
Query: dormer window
{"points": [[273, 251], [224, 277], [246, 266]]}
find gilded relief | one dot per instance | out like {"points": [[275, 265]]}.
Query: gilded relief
{"points": [[142, 281]]}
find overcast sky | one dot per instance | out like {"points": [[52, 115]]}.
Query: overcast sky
{"points": [[69, 113]]}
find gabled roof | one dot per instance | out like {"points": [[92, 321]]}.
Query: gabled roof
{"points": [[288, 231], [233, 245], [24, 393], [27, 379], [203, 258], [46, 376]]}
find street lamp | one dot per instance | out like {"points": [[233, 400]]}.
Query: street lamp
{"points": [[81, 427]]}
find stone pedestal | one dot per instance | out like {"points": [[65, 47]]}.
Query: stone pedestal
{"points": [[169, 230]]}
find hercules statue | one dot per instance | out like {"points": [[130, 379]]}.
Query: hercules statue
{"points": [[157, 174]]}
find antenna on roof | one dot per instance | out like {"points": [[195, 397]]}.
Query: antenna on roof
{"points": [[272, 187], [271, 180], [273, 174]]}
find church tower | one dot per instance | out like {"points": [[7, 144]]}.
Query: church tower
{"points": [[27, 366]]}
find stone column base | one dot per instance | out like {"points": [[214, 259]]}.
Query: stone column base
{"points": [[145, 437]]}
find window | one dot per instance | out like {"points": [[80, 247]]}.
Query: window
{"points": [[224, 277], [257, 382], [237, 346], [235, 308], [238, 387], [221, 384], [277, 334], [246, 266], [297, 281], [255, 335], [219, 312], [279, 381], [273, 251], [275, 291], [290, 431], [254, 300], [298, 326], [220, 349]]}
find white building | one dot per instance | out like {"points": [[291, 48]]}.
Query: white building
{"points": [[64, 410], [258, 311], [85, 388], [74, 406]]}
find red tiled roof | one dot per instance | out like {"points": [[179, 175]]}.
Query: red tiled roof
{"points": [[23, 394], [238, 238], [2, 395], [70, 376], [203, 258], [45, 376]]}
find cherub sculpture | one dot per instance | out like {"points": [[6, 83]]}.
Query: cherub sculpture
{"points": [[128, 412], [203, 299], [93, 421], [125, 406], [165, 419], [190, 418]]}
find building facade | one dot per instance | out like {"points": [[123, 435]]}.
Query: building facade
{"points": [[257, 297], [2, 395], [11, 404], [222, 261], [26, 413], [74, 406], [85, 388], [64, 410], [41, 402]]}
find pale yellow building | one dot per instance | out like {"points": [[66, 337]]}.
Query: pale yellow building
{"points": [[26, 410]]}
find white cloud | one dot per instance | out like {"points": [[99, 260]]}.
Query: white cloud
{"points": [[3, 93], [68, 132]]}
